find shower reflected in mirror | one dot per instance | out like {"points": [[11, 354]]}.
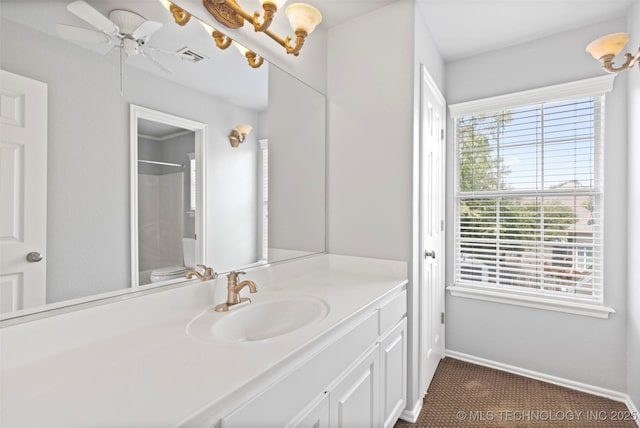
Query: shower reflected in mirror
{"points": [[166, 201]]}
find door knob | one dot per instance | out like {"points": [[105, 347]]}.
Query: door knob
{"points": [[431, 254], [34, 257]]}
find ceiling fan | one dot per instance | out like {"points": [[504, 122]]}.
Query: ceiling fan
{"points": [[119, 36]]}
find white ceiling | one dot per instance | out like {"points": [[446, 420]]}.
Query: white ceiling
{"points": [[335, 12], [469, 27]]}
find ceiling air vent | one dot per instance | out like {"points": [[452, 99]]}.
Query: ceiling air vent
{"points": [[189, 54]]}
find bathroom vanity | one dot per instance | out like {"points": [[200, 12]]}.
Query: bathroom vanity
{"points": [[323, 343]]}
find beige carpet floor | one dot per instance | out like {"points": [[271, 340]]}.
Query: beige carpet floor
{"points": [[467, 395]]}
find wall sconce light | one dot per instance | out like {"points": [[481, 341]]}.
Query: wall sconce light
{"points": [[221, 39], [254, 59], [239, 134], [303, 19], [181, 16], [607, 47]]}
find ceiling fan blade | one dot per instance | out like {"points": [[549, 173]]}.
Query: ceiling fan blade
{"points": [[86, 12], [83, 35], [146, 29], [113, 56], [157, 63]]}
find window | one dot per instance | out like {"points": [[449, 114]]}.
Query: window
{"points": [[529, 194]]}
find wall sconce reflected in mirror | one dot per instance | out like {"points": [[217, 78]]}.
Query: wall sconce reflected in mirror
{"points": [[222, 40], [239, 134], [254, 59], [181, 16], [607, 47]]}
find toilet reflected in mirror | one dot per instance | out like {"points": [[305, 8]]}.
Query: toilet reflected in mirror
{"points": [[175, 272]]}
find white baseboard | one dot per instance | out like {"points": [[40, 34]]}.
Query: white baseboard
{"points": [[633, 409], [578, 386], [411, 415]]}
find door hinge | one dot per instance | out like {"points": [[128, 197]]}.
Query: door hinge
{"points": [[442, 225], [442, 134], [441, 317]]}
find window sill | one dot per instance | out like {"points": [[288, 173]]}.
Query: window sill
{"points": [[538, 302]]}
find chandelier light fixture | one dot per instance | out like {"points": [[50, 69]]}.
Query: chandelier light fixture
{"points": [[605, 48], [303, 19]]}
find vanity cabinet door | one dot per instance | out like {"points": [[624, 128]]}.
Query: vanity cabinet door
{"points": [[314, 416], [354, 401], [393, 373]]}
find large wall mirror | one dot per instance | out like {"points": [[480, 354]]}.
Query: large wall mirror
{"points": [[126, 129]]}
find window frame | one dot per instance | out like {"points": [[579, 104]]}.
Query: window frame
{"points": [[593, 87]]}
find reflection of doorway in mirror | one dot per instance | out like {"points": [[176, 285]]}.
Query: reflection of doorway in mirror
{"points": [[23, 193], [166, 209], [167, 200]]}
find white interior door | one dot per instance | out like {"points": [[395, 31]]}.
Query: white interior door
{"points": [[432, 188], [23, 192]]}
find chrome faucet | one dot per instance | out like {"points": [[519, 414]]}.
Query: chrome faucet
{"points": [[206, 275], [233, 291]]}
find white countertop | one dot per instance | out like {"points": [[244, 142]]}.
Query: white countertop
{"points": [[155, 375]]}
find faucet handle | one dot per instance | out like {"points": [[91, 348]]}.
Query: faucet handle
{"points": [[232, 277], [208, 272]]}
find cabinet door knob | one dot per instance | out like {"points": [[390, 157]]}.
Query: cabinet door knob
{"points": [[431, 254], [34, 257]]}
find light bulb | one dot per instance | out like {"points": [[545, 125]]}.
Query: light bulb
{"points": [[208, 28], [241, 48], [303, 17], [244, 129], [611, 44]]}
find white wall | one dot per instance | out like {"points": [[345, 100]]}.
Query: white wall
{"points": [[370, 144], [574, 347], [88, 204], [370, 133], [633, 227], [426, 52]]}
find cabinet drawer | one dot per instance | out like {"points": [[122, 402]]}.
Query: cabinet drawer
{"points": [[392, 311]]}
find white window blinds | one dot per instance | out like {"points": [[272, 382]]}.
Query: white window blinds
{"points": [[529, 199]]}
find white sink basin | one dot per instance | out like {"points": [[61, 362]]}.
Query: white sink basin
{"points": [[260, 321]]}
